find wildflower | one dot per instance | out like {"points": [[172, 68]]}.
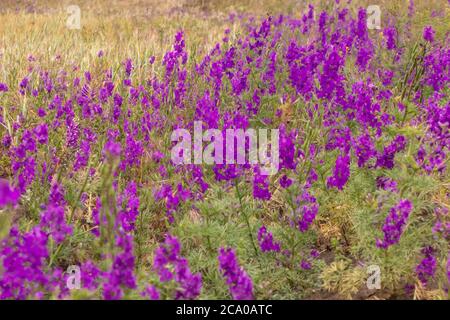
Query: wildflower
{"points": [[8, 195], [82, 155], [53, 218], [390, 35], [341, 172], [387, 184], [128, 201], [91, 275], [150, 292], [285, 182], [305, 265], [239, 283], [260, 186], [171, 266], [112, 148], [121, 274], [427, 267], [386, 159], [395, 224], [24, 264], [314, 253], [3, 87], [364, 149], [266, 242], [428, 34]]}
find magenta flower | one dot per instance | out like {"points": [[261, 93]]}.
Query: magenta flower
{"points": [[3, 87], [266, 241], [427, 267], [170, 265], [428, 34], [8, 195], [395, 224], [239, 283], [151, 292], [341, 172]]}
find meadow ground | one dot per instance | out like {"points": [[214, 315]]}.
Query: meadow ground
{"points": [[85, 165]]}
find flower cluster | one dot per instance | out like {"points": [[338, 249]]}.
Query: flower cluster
{"points": [[395, 224], [239, 283], [171, 266], [266, 241], [8, 195], [427, 267]]}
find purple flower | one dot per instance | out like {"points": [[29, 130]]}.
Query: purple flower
{"points": [[53, 218], [390, 35], [121, 274], [41, 132], [428, 34], [266, 242], [170, 265], [112, 149], [151, 292], [386, 159], [82, 155], [8, 195], [341, 172], [128, 201], [395, 224], [314, 253], [306, 211], [3, 87], [387, 184], [91, 275], [305, 265], [23, 258], [260, 185], [364, 149], [427, 267], [239, 283], [285, 181]]}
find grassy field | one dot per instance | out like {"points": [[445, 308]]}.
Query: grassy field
{"points": [[77, 180]]}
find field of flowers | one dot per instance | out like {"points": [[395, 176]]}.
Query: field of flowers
{"points": [[92, 205]]}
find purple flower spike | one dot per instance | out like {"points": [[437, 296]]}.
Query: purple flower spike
{"points": [[238, 281]]}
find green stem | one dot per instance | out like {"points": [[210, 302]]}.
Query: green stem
{"points": [[246, 218], [80, 193]]}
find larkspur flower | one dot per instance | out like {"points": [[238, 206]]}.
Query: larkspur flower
{"points": [[260, 185], [305, 265], [121, 274], [266, 241], [170, 265], [387, 184], [151, 292], [390, 35], [386, 158], [427, 267], [395, 224], [238, 281], [428, 33], [8, 195], [3, 87], [23, 258], [53, 217], [341, 172]]}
